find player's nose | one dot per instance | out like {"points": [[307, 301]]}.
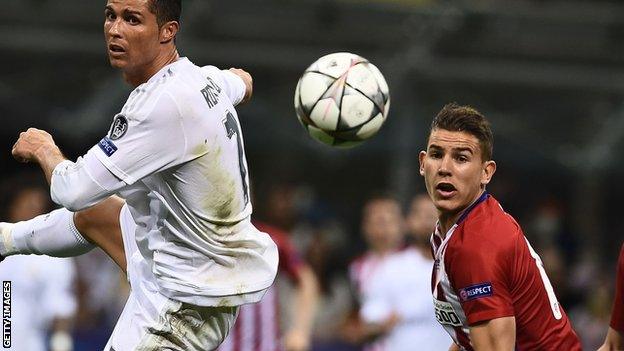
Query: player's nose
{"points": [[113, 28], [444, 167]]}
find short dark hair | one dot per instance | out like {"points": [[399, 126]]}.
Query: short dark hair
{"points": [[166, 10], [457, 118]]}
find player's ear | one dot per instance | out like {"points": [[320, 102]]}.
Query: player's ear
{"points": [[489, 168], [169, 31], [421, 160]]}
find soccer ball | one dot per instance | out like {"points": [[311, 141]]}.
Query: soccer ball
{"points": [[342, 99]]}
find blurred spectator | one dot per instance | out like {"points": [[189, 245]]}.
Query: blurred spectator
{"points": [[325, 255], [102, 291], [422, 217], [43, 302], [392, 286]]}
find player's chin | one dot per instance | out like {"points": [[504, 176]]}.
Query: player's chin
{"points": [[447, 205], [117, 63]]}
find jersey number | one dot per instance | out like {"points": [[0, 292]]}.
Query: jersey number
{"points": [[554, 304], [447, 317], [231, 128]]}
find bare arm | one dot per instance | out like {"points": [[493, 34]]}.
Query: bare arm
{"points": [[613, 342], [298, 337], [35, 145], [494, 335]]}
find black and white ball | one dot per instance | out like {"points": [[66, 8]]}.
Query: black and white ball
{"points": [[342, 99]]}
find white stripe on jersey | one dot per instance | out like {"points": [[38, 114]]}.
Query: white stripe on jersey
{"points": [[442, 287]]}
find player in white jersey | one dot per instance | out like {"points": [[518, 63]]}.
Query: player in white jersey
{"points": [[175, 153], [391, 282]]}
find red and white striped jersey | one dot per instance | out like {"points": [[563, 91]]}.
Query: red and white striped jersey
{"points": [[257, 325], [486, 269], [617, 315]]}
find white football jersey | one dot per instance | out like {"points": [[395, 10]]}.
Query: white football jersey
{"points": [[178, 145], [399, 283]]}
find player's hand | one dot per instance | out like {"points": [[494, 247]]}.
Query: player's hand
{"points": [[32, 143], [246, 77], [389, 323], [296, 340]]}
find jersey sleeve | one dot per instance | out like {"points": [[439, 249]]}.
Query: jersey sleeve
{"points": [[232, 84], [145, 142], [480, 279], [617, 314]]}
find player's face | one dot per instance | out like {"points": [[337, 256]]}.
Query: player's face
{"points": [[382, 224], [455, 173], [132, 34], [422, 218]]}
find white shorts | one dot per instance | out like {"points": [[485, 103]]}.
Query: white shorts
{"points": [[152, 321]]}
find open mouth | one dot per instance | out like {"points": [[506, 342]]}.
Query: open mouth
{"points": [[116, 48], [446, 189]]}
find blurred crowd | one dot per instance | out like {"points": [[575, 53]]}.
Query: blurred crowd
{"points": [[344, 284]]}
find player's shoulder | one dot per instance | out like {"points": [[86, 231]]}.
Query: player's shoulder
{"points": [[489, 220], [487, 229]]}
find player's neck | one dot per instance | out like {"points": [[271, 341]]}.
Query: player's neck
{"points": [[142, 75], [447, 220]]}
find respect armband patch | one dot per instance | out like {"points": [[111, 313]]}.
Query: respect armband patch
{"points": [[476, 291], [107, 146]]}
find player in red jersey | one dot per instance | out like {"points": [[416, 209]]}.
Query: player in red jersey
{"points": [[615, 335], [490, 289]]}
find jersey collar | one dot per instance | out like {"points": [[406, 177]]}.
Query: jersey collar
{"points": [[436, 239], [467, 211]]}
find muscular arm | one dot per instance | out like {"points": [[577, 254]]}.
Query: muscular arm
{"points": [[298, 337], [494, 335], [613, 342]]}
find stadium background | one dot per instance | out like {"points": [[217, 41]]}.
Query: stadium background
{"points": [[548, 74]]}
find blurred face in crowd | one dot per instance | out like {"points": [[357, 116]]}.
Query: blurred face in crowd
{"points": [[134, 40], [27, 204], [454, 170], [421, 218], [382, 224]]}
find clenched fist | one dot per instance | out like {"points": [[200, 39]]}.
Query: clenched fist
{"points": [[31, 144]]}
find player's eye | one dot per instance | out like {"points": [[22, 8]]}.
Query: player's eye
{"points": [[435, 154], [133, 20], [462, 158], [110, 16]]}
